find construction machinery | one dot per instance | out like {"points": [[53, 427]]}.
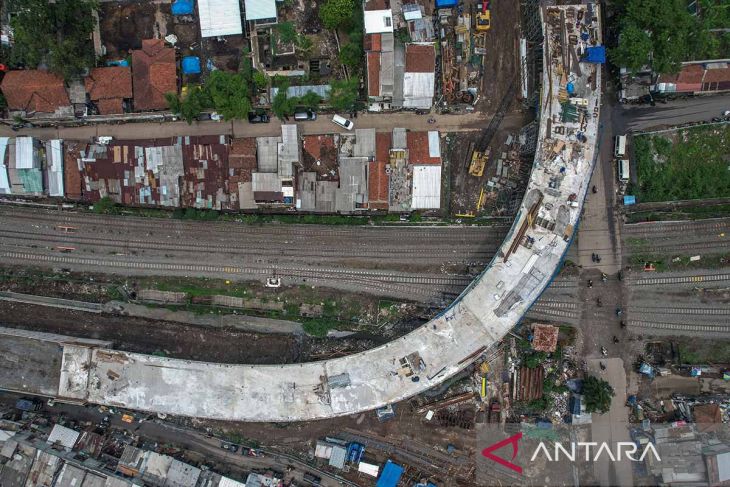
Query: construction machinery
{"points": [[484, 17], [478, 162]]}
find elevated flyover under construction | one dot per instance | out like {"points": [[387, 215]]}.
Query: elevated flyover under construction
{"points": [[477, 320]]}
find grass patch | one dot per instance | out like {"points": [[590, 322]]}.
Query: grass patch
{"points": [[714, 352], [664, 263], [683, 165], [684, 213], [203, 287]]}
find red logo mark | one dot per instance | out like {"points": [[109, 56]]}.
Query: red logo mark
{"points": [[487, 452]]}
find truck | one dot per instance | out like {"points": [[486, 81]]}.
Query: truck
{"points": [[25, 404]]}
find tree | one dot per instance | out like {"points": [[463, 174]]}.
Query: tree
{"points": [[597, 394], [311, 100], [229, 94], [351, 54], [260, 80], [344, 94], [662, 33], [336, 13], [57, 33]]}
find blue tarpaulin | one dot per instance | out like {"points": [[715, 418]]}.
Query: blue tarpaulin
{"points": [[191, 65], [446, 3], [390, 476], [595, 55], [182, 7], [629, 200], [118, 62]]}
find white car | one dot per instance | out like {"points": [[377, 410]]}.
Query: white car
{"points": [[343, 122]]}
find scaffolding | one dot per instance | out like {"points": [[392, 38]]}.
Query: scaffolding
{"points": [[531, 54]]}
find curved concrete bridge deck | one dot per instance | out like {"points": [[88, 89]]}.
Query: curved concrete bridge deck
{"points": [[478, 319]]}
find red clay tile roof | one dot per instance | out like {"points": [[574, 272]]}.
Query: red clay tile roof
{"points": [[716, 75], [417, 144], [154, 73], [377, 177], [377, 5], [108, 87], [545, 337], [691, 74], [372, 42], [373, 74], [313, 145], [420, 58], [34, 90]]}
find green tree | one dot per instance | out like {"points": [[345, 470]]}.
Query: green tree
{"points": [[260, 80], [344, 94], [337, 13], [675, 35], [229, 94], [634, 49], [57, 33], [597, 394], [311, 100], [351, 54]]}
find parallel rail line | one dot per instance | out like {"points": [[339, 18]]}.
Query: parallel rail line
{"points": [[680, 327]]}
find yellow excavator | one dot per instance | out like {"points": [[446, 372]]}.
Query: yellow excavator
{"points": [[478, 161], [484, 17]]}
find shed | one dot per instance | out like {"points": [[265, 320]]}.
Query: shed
{"points": [[220, 17], [426, 192], [66, 437], [54, 157], [629, 200], [391, 475], [368, 469], [337, 459], [263, 11], [191, 65]]}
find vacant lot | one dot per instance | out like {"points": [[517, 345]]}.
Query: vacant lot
{"points": [[684, 164]]}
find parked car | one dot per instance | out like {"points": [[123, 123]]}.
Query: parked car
{"points": [[258, 117], [343, 122], [229, 446], [302, 115]]}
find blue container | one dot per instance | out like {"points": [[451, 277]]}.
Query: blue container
{"points": [[191, 65]]}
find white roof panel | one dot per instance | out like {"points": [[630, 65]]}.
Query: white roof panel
{"points": [[24, 153], [220, 17], [426, 187], [66, 437], [378, 21], [434, 144], [260, 9], [226, 482]]}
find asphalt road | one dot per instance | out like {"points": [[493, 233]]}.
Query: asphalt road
{"points": [[323, 125], [642, 117], [428, 264]]}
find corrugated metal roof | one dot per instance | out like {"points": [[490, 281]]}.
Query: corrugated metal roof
{"points": [[24, 153], [434, 144], [226, 482], [426, 192], [182, 475], [65, 437], [364, 143], [260, 9], [418, 90], [299, 91], [221, 17], [266, 182], [399, 138], [337, 459], [70, 476], [54, 156], [4, 180], [268, 153], [288, 151]]}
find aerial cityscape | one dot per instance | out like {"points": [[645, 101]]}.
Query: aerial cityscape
{"points": [[383, 243]]}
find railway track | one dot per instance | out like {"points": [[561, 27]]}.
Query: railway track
{"points": [[248, 250], [669, 246], [679, 311], [668, 228], [680, 328], [696, 279], [231, 229]]}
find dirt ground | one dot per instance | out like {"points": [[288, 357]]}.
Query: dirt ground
{"points": [[151, 337], [124, 25]]}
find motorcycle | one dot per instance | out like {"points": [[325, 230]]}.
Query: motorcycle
{"points": [[618, 311], [594, 190], [598, 302], [602, 365], [431, 120], [604, 352], [615, 340], [604, 277], [590, 284]]}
